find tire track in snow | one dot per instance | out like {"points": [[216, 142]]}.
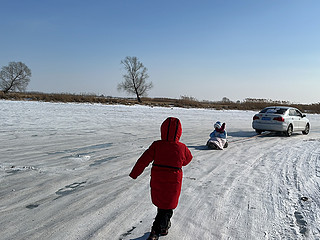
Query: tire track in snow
{"points": [[217, 181], [245, 191], [289, 181]]}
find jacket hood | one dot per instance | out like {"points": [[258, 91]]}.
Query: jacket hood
{"points": [[171, 129]]}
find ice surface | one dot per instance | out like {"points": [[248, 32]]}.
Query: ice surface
{"points": [[64, 175]]}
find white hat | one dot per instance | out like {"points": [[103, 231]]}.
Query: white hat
{"points": [[217, 125]]}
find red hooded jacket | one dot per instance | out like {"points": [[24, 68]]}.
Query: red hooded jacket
{"points": [[168, 156]]}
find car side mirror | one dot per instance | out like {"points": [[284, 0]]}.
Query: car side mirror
{"points": [[303, 115]]}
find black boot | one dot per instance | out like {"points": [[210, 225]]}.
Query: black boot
{"points": [[153, 235], [165, 231]]}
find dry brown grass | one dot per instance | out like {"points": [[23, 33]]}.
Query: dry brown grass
{"points": [[184, 102]]}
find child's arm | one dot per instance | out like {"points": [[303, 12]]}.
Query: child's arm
{"points": [[142, 162], [223, 127], [223, 135], [213, 134]]}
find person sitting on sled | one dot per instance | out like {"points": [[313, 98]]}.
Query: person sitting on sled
{"points": [[168, 156], [218, 138]]}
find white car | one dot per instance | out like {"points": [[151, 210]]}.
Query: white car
{"points": [[281, 119]]}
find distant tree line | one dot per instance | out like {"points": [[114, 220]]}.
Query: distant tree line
{"points": [[183, 102]]}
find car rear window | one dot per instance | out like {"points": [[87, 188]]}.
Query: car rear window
{"points": [[274, 110]]}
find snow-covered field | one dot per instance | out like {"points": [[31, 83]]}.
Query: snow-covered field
{"points": [[64, 175]]}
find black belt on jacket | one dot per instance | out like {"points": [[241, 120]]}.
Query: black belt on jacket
{"points": [[165, 166]]}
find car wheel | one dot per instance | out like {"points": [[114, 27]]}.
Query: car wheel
{"points": [[306, 130], [288, 133]]}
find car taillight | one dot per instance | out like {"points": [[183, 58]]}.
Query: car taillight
{"points": [[280, 119], [255, 117]]}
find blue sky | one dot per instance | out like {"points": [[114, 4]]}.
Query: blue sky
{"points": [[205, 49]]}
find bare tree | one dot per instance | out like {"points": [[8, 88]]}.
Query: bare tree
{"points": [[135, 78], [14, 77]]}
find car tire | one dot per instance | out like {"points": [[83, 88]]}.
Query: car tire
{"points": [[306, 130], [289, 131]]}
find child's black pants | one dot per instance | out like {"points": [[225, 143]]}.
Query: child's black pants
{"points": [[162, 220]]}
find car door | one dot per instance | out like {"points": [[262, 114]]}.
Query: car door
{"points": [[301, 120], [294, 119]]}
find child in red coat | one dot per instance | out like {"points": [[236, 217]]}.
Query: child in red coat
{"points": [[168, 156]]}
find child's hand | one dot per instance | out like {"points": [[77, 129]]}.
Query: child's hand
{"points": [[132, 176]]}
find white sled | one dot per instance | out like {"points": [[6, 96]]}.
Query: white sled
{"points": [[217, 143]]}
